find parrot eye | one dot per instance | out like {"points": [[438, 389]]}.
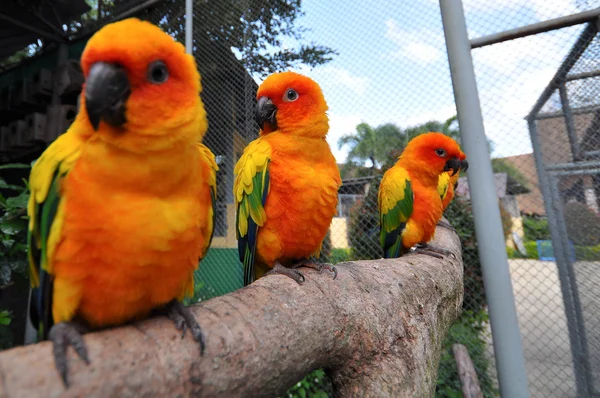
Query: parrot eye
{"points": [[290, 95], [440, 152], [158, 72]]}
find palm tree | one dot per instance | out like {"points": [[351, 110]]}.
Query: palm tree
{"points": [[449, 127], [373, 145]]}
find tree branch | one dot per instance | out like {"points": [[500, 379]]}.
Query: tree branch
{"points": [[377, 329], [466, 372]]}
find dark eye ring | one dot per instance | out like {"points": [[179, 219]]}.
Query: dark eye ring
{"points": [[158, 72], [440, 152], [290, 95]]}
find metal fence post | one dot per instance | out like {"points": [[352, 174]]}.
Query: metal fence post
{"points": [[189, 26], [508, 347]]}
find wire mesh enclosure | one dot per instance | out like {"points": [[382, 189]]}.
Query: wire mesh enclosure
{"points": [[384, 71], [565, 122]]}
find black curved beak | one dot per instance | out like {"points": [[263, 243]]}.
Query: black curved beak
{"points": [[453, 164], [266, 112], [106, 91], [464, 165]]}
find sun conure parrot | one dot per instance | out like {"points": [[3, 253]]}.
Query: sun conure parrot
{"points": [[121, 206], [286, 181], [447, 184], [410, 204]]}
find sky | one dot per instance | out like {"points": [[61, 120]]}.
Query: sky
{"points": [[392, 65]]}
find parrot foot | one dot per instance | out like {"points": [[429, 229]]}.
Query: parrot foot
{"points": [[183, 319], [446, 225], [316, 265], [63, 335], [437, 252], [289, 272]]}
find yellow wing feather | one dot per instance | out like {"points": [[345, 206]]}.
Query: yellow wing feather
{"points": [[253, 161], [208, 158], [57, 160], [443, 183]]}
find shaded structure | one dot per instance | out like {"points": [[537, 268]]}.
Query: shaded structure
{"points": [[564, 126]]}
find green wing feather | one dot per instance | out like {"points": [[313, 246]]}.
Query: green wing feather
{"points": [[251, 188], [44, 222], [395, 206]]}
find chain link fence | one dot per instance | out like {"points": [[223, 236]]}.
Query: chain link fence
{"points": [[383, 68], [539, 98]]}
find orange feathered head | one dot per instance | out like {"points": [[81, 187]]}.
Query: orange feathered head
{"points": [[292, 104], [433, 153], [140, 87]]}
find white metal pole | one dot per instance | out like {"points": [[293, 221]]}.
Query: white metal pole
{"points": [[189, 25], [508, 347]]}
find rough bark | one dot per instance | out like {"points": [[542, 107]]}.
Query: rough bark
{"points": [[466, 372], [377, 330]]}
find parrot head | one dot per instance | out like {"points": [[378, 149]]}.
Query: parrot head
{"points": [[435, 153], [141, 89], [292, 104]]}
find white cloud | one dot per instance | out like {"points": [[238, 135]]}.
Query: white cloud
{"points": [[441, 114], [336, 76], [340, 125], [544, 9], [422, 46]]}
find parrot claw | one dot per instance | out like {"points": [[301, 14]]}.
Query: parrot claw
{"points": [[289, 272], [424, 248], [183, 319], [318, 266], [446, 225], [63, 335]]}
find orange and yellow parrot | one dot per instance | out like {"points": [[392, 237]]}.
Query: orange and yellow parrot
{"points": [[121, 206], [286, 181], [410, 204], [447, 184]]}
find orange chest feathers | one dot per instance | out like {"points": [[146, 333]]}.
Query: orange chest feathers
{"points": [[301, 203], [128, 248]]}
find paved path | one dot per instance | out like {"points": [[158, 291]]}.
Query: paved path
{"points": [[544, 328]]}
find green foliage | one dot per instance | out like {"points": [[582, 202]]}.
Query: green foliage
{"points": [[583, 225], [5, 318], [380, 146], [460, 215], [587, 253], [6, 336], [340, 256], [315, 385], [506, 220], [536, 228], [449, 127], [511, 253], [256, 30], [13, 248], [13, 230], [531, 249], [471, 331], [516, 182], [371, 144], [363, 226]]}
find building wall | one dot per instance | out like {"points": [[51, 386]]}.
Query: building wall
{"points": [[554, 140], [339, 233]]}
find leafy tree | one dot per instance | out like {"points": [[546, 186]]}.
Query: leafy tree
{"points": [[13, 265], [516, 182], [536, 228], [256, 29], [374, 145], [583, 225], [449, 127]]}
